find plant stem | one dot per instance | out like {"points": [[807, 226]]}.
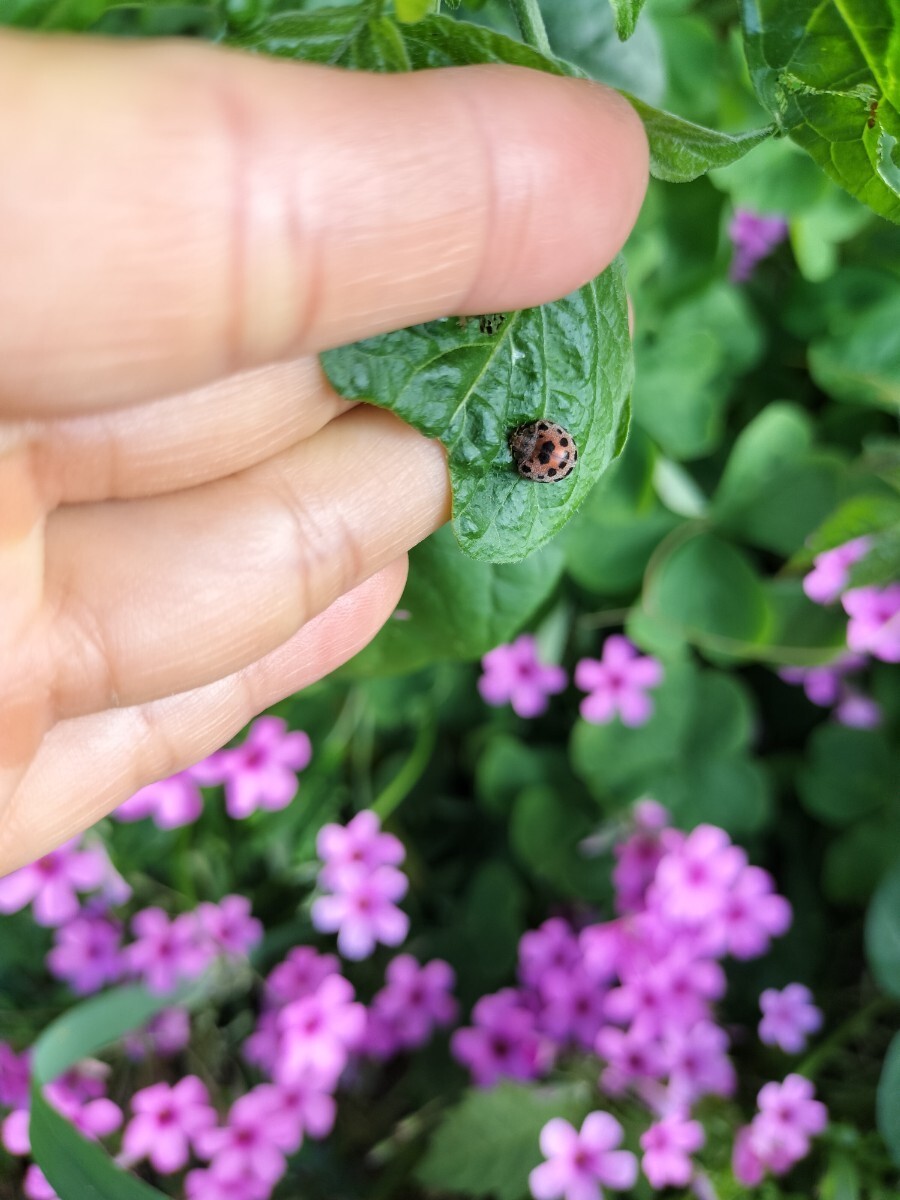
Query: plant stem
{"points": [[409, 774], [844, 1033], [531, 24]]}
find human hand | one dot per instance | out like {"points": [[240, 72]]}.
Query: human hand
{"points": [[193, 525]]}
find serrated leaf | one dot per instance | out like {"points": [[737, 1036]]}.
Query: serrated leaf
{"points": [[567, 362], [488, 1143], [888, 1099], [883, 933], [681, 151], [627, 13], [826, 71]]}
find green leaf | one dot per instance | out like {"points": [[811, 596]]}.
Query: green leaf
{"points": [[627, 13], [867, 513], [583, 32], [859, 361], [545, 830], [692, 755], [776, 488], [567, 362], [824, 69], [410, 11], [858, 859], [488, 1143], [609, 542], [708, 589], [681, 151], [888, 1099], [77, 15], [883, 933], [458, 609], [850, 773], [881, 564], [323, 35], [686, 369], [79, 1169]]}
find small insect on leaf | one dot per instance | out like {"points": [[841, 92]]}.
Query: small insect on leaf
{"points": [[543, 451], [490, 322]]}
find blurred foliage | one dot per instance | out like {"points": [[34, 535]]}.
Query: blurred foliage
{"points": [[764, 431]]}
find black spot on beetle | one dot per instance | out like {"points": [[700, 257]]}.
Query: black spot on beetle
{"points": [[551, 470], [564, 441], [526, 467], [543, 426], [543, 459], [547, 447]]}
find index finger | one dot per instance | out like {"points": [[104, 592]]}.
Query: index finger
{"points": [[173, 213]]}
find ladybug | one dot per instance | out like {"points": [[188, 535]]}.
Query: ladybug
{"points": [[543, 451]]}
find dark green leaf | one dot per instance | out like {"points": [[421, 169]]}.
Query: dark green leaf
{"points": [[686, 369], [681, 151], [870, 512], [881, 564], [823, 69], [883, 933], [859, 361], [545, 830], [567, 362], [78, 15], [851, 772], [709, 590], [627, 13], [488, 1143], [323, 35], [776, 488], [458, 609], [888, 1099], [583, 32], [858, 859]]}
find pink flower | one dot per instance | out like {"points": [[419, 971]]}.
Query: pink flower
{"points": [[694, 878], [301, 972], [551, 947], [168, 1120], [230, 926], [87, 953], [858, 712], [212, 1183], [50, 884], [572, 1006], [165, 951], [514, 675], [36, 1186], [831, 570], [824, 685], [502, 1041], [638, 856], [667, 1146], [631, 1055], [14, 1077], [260, 773], [247, 1145], [165, 1034], [579, 1162], [618, 682], [752, 914], [305, 1106], [414, 1001], [319, 1031], [779, 1135], [170, 802], [698, 1063], [359, 846], [874, 625], [364, 912], [754, 237], [788, 1017]]}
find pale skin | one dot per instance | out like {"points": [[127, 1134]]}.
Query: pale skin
{"points": [[193, 525]]}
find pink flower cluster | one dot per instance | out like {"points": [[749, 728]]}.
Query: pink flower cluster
{"points": [[779, 1135], [873, 629], [261, 773], [80, 1095], [88, 951], [51, 883], [640, 991], [361, 885], [617, 683]]}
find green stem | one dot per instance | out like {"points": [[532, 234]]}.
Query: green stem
{"points": [[844, 1033], [531, 24], [391, 796]]}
